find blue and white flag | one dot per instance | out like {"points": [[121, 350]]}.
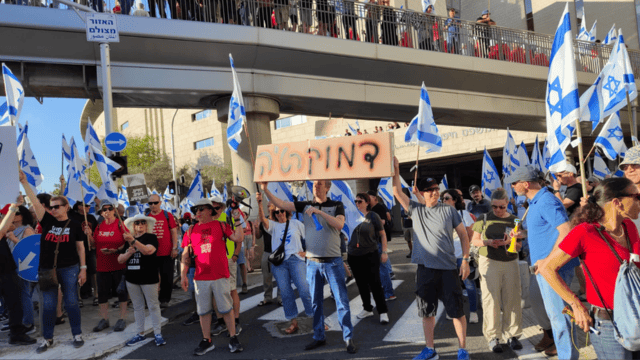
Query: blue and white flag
{"points": [[305, 193], [352, 129], [14, 93], [521, 154], [78, 188], [167, 194], [185, 206], [426, 3], [607, 95], [27, 160], [536, 157], [509, 159], [357, 125], [444, 184], [214, 190], [237, 114], [562, 100], [592, 32], [546, 156], [66, 150], [611, 36], [600, 169], [91, 140], [225, 193], [423, 128], [611, 138], [340, 191], [619, 173], [583, 34], [123, 197], [281, 190], [196, 190], [490, 176], [106, 167], [385, 191]]}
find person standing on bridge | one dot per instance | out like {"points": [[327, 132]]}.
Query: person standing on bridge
{"points": [[433, 251], [324, 257]]}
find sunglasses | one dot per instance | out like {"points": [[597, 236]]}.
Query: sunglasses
{"points": [[56, 207], [432, 189], [280, 211], [154, 202], [447, 198], [502, 207], [358, 201], [630, 166], [140, 222], [216, 208], [199, 208], [107, 208]]}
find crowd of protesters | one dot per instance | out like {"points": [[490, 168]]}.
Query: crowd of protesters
{"points": [[460, 247]]}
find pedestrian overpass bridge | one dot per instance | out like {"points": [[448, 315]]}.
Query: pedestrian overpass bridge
{"points": [[185, 64]]}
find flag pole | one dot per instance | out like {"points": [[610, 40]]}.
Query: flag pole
{"points": [[415, 177], [589, 154], [583, 180], [633, 134]]}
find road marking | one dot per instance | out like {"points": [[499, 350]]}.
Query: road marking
{"points": [[278, 314], [408, 328]]}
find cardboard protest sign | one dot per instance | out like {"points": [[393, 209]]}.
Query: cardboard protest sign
{"points": [[348, 157], [9, 182], [136, 188]]}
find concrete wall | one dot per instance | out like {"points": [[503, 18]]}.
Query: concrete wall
{"points": [[506, 13]]}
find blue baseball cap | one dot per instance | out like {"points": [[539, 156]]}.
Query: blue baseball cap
{"points": [[486, 12]]}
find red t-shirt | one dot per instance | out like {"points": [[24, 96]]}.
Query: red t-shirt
{"points": [[210, 249], [108, 236], [585, 241], [163, 232]]}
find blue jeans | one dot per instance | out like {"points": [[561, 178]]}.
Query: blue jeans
{"points": [[385, 275], [606, 345], [293, 269], [190, 274], [68, 279], [471, 291], [333, 271], [27, 288], [560, 323]]}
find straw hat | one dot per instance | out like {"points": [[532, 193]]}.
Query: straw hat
{"points": [[151, 222]]}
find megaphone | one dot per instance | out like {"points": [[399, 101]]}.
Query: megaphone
{"points": [[238, 195]]}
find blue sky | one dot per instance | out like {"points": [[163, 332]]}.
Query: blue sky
{"points": [[47, 123]]}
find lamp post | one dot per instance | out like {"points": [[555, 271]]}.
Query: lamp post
{"points": [[176, 199]]}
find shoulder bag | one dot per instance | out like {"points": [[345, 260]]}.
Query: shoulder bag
{"points": [[277, 257], [48, 279]]}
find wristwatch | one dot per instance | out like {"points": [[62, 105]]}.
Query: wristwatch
{"points": [[465, 259], [556, 191]]}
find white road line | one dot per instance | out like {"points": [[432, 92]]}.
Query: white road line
{"points": [[278, 314], [408, 328]]}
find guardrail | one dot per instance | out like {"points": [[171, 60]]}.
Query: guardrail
{"points": [[369, 22]]}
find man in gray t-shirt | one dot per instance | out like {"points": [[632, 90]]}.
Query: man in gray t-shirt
{"points": [[437, 277], [324, 257]]}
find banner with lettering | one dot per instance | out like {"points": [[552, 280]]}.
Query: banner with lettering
{"points": [[9, 182], [348, 157]]}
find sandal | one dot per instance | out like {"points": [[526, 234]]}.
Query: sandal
{"points": [[291, 329], [95, 302], [263, 303]]}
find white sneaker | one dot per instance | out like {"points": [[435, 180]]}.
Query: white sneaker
{"points": [[473, 318], [384, 318], [364, 313]]}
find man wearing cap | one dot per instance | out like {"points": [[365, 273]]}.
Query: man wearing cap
{"points": [[437, 277], [547, 225], [166, 230], [453, 32], [479, 205], [324, 257], [631, 167], [483, 31], [205, 241], [566, 175]]}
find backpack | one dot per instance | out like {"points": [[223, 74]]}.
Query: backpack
{"points": [[626, 300]]}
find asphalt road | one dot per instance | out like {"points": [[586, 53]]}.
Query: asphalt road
{"points": [[402, 338]]}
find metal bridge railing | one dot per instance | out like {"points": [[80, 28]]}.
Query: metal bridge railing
{"points": [[369, 22]]}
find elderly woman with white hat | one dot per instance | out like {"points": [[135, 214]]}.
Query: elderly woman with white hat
{"points": [[141, 274]]}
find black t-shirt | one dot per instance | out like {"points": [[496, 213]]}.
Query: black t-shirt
{"points": [[366, 236], [381, 210], [53, 232], [266, 238], [92, 222], [142, 269], [574, 192], [7, 265]]}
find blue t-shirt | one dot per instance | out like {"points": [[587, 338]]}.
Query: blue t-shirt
{"points": [[546, 213]]}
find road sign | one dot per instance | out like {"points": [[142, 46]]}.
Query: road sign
{"points": [[27, 257], [115, 142], [102, 28]]}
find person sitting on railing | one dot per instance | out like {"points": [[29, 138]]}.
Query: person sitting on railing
{"points": [[373, 17], [389, 27], [453, 32], [484, 33]]}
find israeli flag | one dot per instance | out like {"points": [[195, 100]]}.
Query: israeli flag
{"points": [[611, 36], [214, 190], [340, 191], [123, 197], [592, 33], [14, 92], [106, 167], [237, 114], [357, 125], [509, 159], [196, 190], [444, 184], [78, 188], [91, 140], [546, 156], [426, 3], [281, 190], [185, 206], [423, 128], [536, 157], [611, 139], [225, 193], [305, 193], [385, 191], [490, 176], [600, 169], [619, 173], [583, 34], [27, 160], [521, 153], [353, 131], [167, 194], [66, 150], [562, 101]]}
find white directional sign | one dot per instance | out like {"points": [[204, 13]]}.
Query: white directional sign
{"points": [[27, 256], [102, 28]]}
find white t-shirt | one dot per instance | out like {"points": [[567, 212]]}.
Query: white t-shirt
{"points": [[293, 243], [467, 220]]}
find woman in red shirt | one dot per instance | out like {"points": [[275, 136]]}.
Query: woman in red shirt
{"points": [[109, 237], [614, 203]]}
